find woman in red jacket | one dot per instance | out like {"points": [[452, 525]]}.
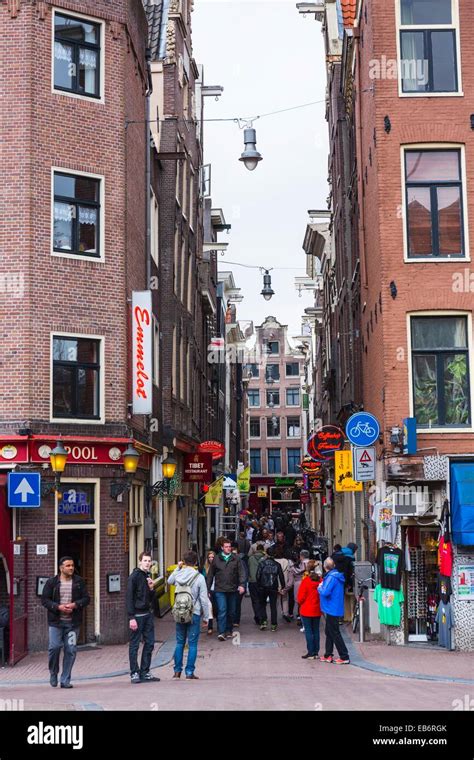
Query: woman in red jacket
{"points": [[310, 610]]}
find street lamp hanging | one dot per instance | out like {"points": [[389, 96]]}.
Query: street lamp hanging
{"points": [[250, 156], [267, 291]]}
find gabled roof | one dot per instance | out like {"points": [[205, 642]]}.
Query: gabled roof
{"points": [[349, 9]]}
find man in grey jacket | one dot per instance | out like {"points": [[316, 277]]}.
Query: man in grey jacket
{"points": [[187, 575]]}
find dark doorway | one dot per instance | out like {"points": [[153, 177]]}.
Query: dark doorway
{"points": [[79, 544]]}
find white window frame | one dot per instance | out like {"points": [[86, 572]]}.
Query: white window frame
{"points": [[75, 420], [293, 406], [255, 437], [156, 352], [275, 406], [268, 461], [420, 27], [272, 437], [293, 437], [299, 369], [465, 208], [291, 472], [442, 313], [94, 20], [76, 173], [254, 406]]}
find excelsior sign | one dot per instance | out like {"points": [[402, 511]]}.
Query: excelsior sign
{"points": [[142, 337]]}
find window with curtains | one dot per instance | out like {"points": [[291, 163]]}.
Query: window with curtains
{"points": [[292, 396], [274, 461], [256, 461], [254, 397], [428, 46], [293, 427], [434, 201], [255, 427], [76, 215], [294, 459], [76, 55], [440, 366]]}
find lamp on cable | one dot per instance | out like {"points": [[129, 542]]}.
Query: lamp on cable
{"points": [[250, 156], [267, 291]]}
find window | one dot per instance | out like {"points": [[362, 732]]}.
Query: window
{"points": [[252, 370], [273, 427], [273, 371], [76, 378], [292, 369], [273, 398], [428, 46], [255, 427], [292, 396], [156, 352], [294, 459], [440, 365], [293, 427], [256, 461], [254, 397], [434, 200], [76, 56], [76, 215], [274, 461], [272, 347], [154, 227]]}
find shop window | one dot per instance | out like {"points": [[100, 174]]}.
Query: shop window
{"points": [[76, 504]]}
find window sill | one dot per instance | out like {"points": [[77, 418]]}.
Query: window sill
{"points": [[431, 94], [446, 430], [76, 421], [438, 260], [79, 257], [77, 96]]}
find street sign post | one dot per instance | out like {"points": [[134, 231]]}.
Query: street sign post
{"points": [[24, 489], [362, 429], [364, 463]]}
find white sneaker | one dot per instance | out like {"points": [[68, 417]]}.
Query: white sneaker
{"points": [[301, 630]]}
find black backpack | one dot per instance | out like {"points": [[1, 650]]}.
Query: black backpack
{"points": [[269, 574]]}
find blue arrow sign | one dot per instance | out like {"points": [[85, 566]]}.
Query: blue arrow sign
{"points": [[24, 489], [362, 429]]}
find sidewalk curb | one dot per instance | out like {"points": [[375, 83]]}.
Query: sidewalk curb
{"points": [[360, 662], [163, 657]]}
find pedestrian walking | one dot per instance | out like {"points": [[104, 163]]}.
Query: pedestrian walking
{"points": [[238, 597], [331, 592], [254, 561], [297, 572], [270, 581], [141, 620], [229, 575], [64, 596], [285, 564], [212, 598], [192, 603], [310, 610]]}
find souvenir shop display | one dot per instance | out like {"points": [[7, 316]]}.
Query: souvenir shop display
{"points": [[390, 562], [445, 623], [389, 604]]}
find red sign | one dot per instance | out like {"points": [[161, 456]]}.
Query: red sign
{"points": [[215, 448], [308, 465], [323, 444], [305, 498], [197, 468], [316, 484], [86, 452]]}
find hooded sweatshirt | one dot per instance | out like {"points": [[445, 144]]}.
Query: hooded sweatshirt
{"points": [[331, 593], [184, 576]]}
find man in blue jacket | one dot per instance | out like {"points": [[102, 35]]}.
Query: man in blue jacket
{"points": [[331, 592]]}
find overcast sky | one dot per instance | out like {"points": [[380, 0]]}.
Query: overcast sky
{"points": [[267, 57]]}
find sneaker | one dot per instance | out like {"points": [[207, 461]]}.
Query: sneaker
{"points": [[236, 625], [263, 626], [301, 630], [221, 637], [326, 659], [274, 627], [308, 656], [135, 678], [148, 677], [193, 678], [287, 618], [338, 661], [228, 635]]}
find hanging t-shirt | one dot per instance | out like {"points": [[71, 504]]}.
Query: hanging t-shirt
{"points": [[385, 523], [390, 563], [389, 601], [444, 588], [445, 557], [444, 618]]}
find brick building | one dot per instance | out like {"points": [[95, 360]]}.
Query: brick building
{"points": [[401, 165]]}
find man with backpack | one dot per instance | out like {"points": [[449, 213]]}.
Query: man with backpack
{"points": [[269, 577], [229, 575], [191, 602], [141, 620]]}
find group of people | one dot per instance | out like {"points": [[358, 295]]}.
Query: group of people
{"points": [[270, 566]]}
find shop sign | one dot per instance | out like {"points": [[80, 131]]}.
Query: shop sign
{"points": [[322, 445], [409, 435], [197, 468], [214, 495], [142, 343], [284, 482], [308, 465], [305, 498], [84, 453], [76, 504], [262, 492], [316, 483], [215, 448], [17, 452], [343, 474], [465, 583]]}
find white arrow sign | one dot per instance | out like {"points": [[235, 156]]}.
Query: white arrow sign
{"points": [[24, 489]]}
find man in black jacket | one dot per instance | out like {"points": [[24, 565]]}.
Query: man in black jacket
{"points": [[141, 620], [269, 577], [64, 596], [229, 575]]}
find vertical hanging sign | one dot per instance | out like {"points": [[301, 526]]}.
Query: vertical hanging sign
{"points": [[142, 352]]}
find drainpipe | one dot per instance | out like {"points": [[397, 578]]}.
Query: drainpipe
{"points": [[148, 93], [362, 239]]}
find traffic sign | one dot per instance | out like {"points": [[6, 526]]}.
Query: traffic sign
{"points": [[362, 429], [24, 489], [364, 463]]}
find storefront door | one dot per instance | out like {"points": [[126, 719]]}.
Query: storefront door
{"points": [[18, 602], [79, 544]]}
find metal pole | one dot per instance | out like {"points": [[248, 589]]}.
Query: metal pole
{"points": [[361, 619]]}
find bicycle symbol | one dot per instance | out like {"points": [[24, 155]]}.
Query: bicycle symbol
{"points": [[363, 428]]}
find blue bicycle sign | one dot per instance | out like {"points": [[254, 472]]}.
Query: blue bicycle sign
{"points": [[362, 429]]}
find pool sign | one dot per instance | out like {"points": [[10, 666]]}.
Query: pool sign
{"points": [[362, 429]]}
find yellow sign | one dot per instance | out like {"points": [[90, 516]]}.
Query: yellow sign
{"points": [[343, 472], [243, 481], [214, 495], [262, 492]]}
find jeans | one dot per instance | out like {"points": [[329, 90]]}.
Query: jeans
{"points": [[189, 631], [291, 601], [334, 636], [146, 629], [253, 591], [311, 632], [273, 596], [238, 607], [62, 635], [226, 603]]}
